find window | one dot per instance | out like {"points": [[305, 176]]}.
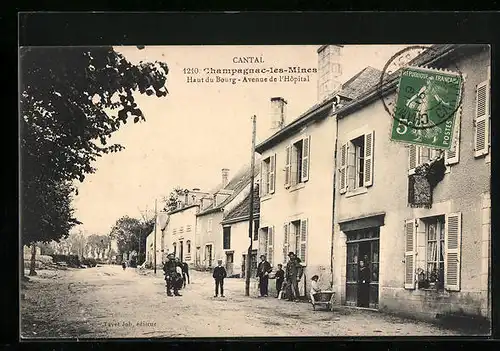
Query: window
{"points": [[181, 230], [295, 239], [188, 228], [267, 243], [297, 162], [174, 231], [268, 176], [188, 246], [256, 225], [359, 161], [175, 249], [356, 163], [433, 252], [418, 155], [226, 232], [209, 229]]}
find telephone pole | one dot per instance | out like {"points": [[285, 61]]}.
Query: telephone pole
{"points": [[248, 267], [154, 243]]}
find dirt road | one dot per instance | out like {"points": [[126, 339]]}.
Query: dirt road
{"points": [[109, 302]]}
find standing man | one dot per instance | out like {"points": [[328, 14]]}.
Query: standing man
{"points": [[294, 273], [263, 270], [169, 269], [219, 275]]}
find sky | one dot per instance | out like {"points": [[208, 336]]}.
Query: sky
{"points": [[199, 128]]}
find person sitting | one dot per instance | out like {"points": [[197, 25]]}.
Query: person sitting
{"points": [[314, 284]]}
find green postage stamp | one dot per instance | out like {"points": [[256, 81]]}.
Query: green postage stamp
{"points": [[426, 106]]}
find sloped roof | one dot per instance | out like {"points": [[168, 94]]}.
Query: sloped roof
{"points": [[242, 210], [361, 88], [360, 83], [240, 180]]}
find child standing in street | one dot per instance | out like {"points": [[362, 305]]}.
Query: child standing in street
{"points": [[219, 275], [280, 277]]}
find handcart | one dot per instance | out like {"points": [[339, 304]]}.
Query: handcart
{"points": [[323, 298]]}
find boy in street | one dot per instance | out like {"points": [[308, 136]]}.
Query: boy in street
{"points": [[280, 277], [219, 275]]}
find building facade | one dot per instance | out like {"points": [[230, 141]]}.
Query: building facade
{"points": [[297, 172], [231, 192], [236, 240], [181, 231], [423, 262], [162, 220]]}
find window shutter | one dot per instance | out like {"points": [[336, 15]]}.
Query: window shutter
{"points": [[481, 125], [343, 169], [285, 242], [369, 143], [410, 245], [413, 153], [351, 166], [288, 166], [272, 173], [303, 240], [261, 184], [306, 143], [452, 242], [270, 245], [452, 157]]}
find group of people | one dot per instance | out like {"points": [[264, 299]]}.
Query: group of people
{"points": [[287, 281], [176, 275]]}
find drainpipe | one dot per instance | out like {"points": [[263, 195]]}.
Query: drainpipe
{"points": [[333, 201]]}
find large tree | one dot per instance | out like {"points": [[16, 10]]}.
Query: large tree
{"points": [[171, 202], [72, 99]]}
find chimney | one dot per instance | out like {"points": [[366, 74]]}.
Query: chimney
{"points": [[225, 177], [329, 70], [278, 113]]}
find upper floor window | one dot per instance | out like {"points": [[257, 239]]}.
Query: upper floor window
{"points": [[297, 162], [268, 175], [188, 228], [188, 246], [256, 225], [482, 133], [356, 163], [226, 232], [181, 230]]}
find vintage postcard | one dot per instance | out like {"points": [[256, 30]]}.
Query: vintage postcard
{"points": [[239, 191]]}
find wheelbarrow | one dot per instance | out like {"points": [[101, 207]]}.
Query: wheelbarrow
{"points": [[323, 298]]}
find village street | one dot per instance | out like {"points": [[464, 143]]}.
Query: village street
{"points": [[108, 302]]}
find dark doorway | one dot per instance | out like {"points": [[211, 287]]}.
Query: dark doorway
{"points": [[229, 263], [181, 251], [362, 245]]}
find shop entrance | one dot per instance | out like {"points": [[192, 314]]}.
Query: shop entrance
{"points": [[362, 283]]}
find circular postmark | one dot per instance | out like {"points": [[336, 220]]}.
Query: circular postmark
{"points": [[425, 97]]}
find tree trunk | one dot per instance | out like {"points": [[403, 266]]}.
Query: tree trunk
{"points": [[33, 259]]}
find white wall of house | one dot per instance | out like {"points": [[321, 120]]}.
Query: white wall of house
{"points": [[239, 244], [181, 231], [311, 200], [463, 190]]}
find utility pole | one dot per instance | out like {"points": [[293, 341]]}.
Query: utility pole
{"points": [[250, 219], [154, 244]]}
